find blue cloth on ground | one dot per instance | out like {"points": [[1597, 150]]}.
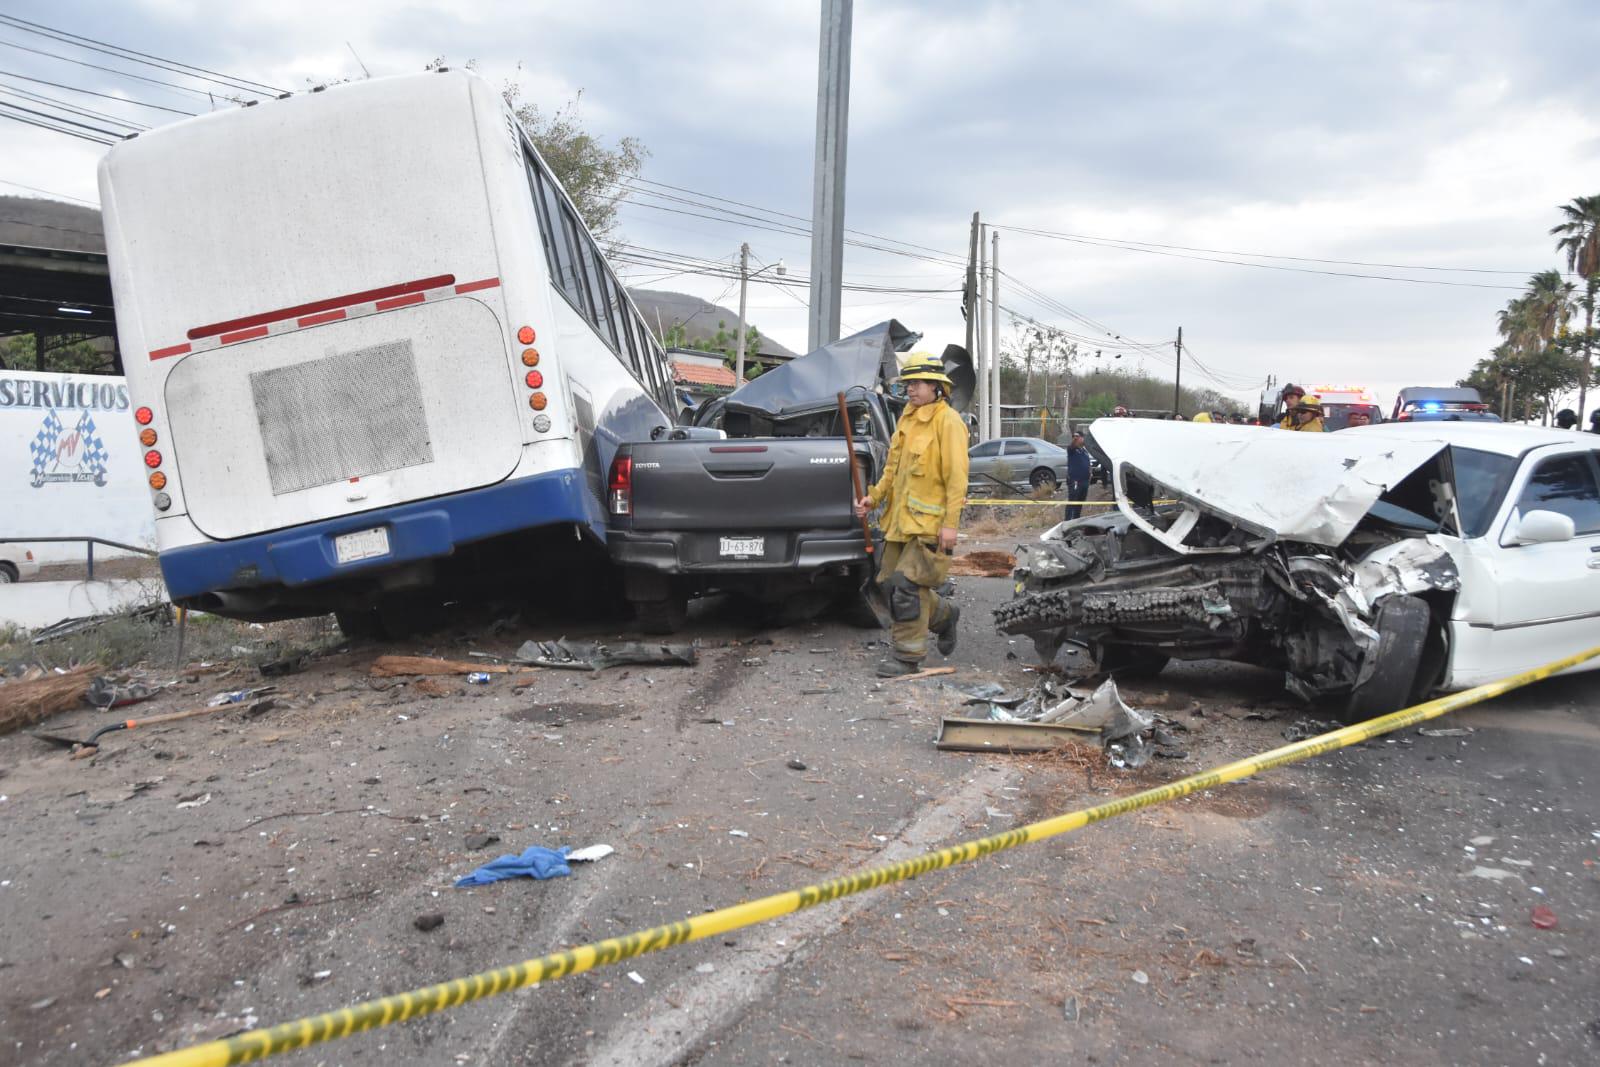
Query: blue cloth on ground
{"points": [[536, 861]]}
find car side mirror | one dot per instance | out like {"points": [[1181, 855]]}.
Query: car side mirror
{"points": [[1544, 527]]}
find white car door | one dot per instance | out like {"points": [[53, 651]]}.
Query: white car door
{"points": [[1548, 594]]}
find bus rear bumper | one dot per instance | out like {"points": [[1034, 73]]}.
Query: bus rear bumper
{"points": [[421, 530]]}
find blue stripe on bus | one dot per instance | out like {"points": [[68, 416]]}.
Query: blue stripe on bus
{"points": [[423, 529]]}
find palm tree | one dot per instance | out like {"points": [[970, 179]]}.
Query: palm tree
{"points": [[1580, 240]]}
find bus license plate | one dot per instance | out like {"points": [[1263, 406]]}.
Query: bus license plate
{"points": [[744, 547], [363, 544]]}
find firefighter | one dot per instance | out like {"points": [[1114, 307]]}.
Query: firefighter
{"points": [[1292, 394], [923, 488], [1307, 415]]}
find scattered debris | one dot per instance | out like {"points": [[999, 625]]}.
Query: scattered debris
{"points": [[636, 977], [738, 833], [930, 672], [983, 563], [589, 853], [478, 678], [477, 841], [796, 765], [535, 861], [158, 612], [1543, 918], [430, 687], [239, 696], [1493, 874], [288, 663], [1302, 729], [429, 921], [1053, 715], [107, 692], [595, 656], [194, 800], [399, 666], [23, 703], [1140, 978], [1447, 731]]}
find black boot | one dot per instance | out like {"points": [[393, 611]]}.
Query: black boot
{"points": [[893, 667], [947, 632]]}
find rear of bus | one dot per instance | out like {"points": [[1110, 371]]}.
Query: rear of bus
{"points": [[328, 339]]}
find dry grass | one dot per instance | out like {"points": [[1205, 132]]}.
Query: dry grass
{"points": [[997, 522]]}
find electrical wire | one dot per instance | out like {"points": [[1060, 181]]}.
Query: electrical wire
{"points": [[71, 109], [49, 192], [106, 136], [91, 92], [112, 70], [118, 51]]}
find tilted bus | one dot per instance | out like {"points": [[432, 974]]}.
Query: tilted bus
{"points": [[375, 355]]}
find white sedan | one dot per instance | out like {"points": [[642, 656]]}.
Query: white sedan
{"points": [[1374, 565], [16, 563]]}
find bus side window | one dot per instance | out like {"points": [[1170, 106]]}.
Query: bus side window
{"points": [[563, 268], [593, 271], [617, 312]]}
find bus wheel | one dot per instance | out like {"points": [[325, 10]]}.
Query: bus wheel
{"points": [[358, 624]]}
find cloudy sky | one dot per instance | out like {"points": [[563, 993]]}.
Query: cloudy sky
{"points": [[1430, 142]]}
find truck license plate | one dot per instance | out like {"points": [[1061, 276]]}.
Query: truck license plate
{"points": [[743, 547], [363, 544]]}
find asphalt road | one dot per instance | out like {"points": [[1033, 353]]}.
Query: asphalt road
{"points": [[223, 873]]}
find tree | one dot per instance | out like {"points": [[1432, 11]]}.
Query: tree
{"points": [[1579, 239], [722, 343], [65, 354], [593, 173]]}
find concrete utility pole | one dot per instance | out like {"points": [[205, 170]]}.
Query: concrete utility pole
{"points": [[827, 194], [985, 430], [1177, 378], [994, 333], [969, 293], [744, 281]]}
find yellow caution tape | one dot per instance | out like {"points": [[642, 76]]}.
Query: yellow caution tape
{"points": [[981, 503], [258, 1044]]}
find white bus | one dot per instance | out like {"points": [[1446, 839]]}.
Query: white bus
{"points": [[374, 353]]}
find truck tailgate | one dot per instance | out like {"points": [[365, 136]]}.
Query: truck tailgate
{"points": [[768, 483]]}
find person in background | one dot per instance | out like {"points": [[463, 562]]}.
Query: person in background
{"points": [[1292, 394], [1120, 412], [1567, 419], [1594, 421], [1078, 463], [1358, 417]]}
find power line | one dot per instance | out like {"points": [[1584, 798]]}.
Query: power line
{"points": [[91, 92], [118, 51], [1260, 266], [1261, 255], [110, 137], [71, 109], [49, 192], [111, 70]]}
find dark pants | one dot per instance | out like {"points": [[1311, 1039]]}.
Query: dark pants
{"points": [[1076, 491]]}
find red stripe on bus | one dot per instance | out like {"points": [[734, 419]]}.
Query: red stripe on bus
{"points": [[400, 301], [473, 287], [244, 335], [174, 350], [364, 297], [326, 316]]}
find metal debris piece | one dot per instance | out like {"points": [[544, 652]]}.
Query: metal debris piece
{"points": [[1301, 729], [986, 735], [595, 656]]}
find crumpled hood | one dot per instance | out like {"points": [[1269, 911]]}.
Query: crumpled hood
{"points": [[1312, 487], [862, 360]]}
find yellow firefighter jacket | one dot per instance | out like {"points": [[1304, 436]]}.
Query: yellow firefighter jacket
{"points": [[924, 483]]}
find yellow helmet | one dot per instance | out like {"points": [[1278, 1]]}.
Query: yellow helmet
{"points": [[1204, 416], [1311, 403], [923, 367]]}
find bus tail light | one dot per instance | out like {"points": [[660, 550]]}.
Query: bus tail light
{"points": [[537, 401], [619, 496], [526, 335], [535, 380], [144, 416], [152, 459], [530, 357], [158, 480], [147, 437]]}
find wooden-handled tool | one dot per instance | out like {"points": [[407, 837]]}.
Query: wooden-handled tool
{"points": [[92, 742], [855, 474]]}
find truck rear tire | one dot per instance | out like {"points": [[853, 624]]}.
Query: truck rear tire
{"points": [[1403, 623], [358, 624], [664, 615]]}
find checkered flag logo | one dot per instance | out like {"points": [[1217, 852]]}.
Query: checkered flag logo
{"points": [[43, 449], [94, 449]]}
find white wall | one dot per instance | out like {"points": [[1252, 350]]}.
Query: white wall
{"points": [[71, 464], [31, 605]]}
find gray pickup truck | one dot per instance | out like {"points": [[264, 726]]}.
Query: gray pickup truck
{"points": [[755, 498]]}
